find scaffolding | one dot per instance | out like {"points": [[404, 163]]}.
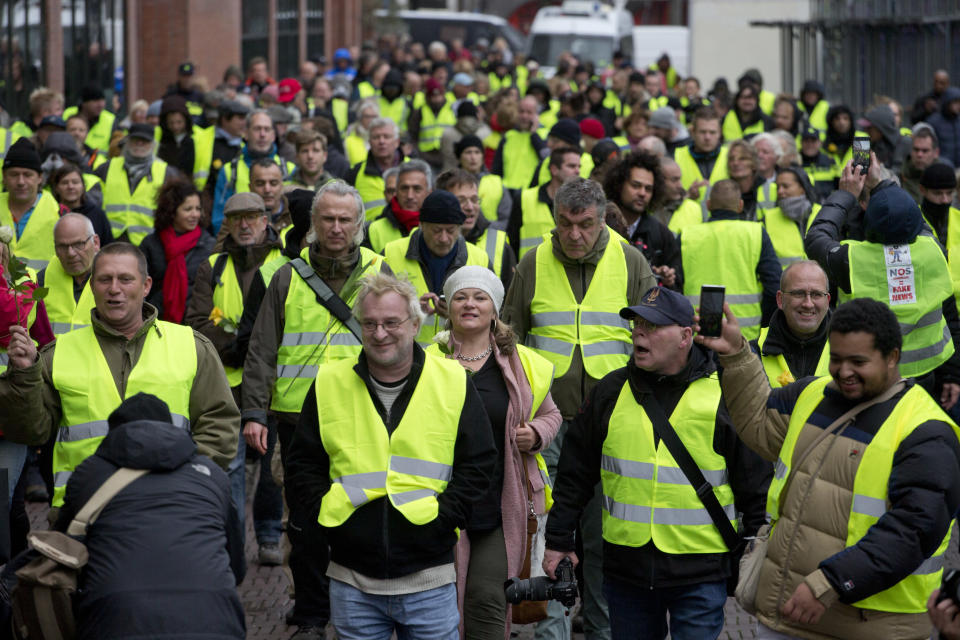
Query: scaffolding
{"points": [[860, 49]]}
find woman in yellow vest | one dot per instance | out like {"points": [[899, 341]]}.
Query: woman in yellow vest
{"points": [[514, 385], [68, 186], [746, 119]]}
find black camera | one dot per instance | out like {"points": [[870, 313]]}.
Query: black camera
{"points": [[950, 586], [563, 589]]}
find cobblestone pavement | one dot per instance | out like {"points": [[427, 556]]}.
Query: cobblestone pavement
{"points": [[265, 598]]}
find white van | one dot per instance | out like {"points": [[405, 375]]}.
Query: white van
{"points": [[589, 29]]}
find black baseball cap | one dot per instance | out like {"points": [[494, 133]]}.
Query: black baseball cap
{"points": [[185, 69], [810, 132], [661, 306]]}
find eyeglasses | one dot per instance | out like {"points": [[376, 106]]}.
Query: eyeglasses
{"points": [[475, 201], [645, 325], [249, 218], [390, 325], [76, 246], [814, 295]]}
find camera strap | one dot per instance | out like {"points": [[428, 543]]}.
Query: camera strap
{"points": [[666, 432]]}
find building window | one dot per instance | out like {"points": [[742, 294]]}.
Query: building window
{"points": [[254, 36], [93, 53], [21, 54], [314, 28], [255, 39]]}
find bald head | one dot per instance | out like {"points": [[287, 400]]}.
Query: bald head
{"points": [[75, 243], [725, 194], [941, 80]]}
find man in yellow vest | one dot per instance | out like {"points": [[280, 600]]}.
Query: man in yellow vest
{"points": [[30, 212], [897, 262], [367, 176], [67, 279], [131, 183], [214, 310], [100, 121], [476, 229], [78, 380], [227, 139], [519, 152], [533, 215], [392, 449], [794, 344], [427, 124], [665, 550], [813, 104], [676, 210], [705, 160], [413, 182], [863, 497], [302, 326], [564, 303], [496, 201], [431, 253], [736, 253], [311, 149]]}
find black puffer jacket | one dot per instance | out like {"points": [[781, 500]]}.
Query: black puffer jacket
{"points": [[165, 553]]}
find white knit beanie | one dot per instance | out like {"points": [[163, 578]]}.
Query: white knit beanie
{"points": [[475, 277]]}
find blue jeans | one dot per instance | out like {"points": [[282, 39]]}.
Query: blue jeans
{"points": [[12, 457], [426, 615], [267, 501], [696, 611]]}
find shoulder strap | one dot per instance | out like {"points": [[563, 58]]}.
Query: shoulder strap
{"points": [[689, 467], [91, 510], [326, 296], [218, 266]]}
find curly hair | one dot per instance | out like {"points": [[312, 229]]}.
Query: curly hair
{"points": [[620, 174], [171, 195], [869, 316]]}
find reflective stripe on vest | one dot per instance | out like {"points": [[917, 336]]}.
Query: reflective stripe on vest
{"points": [[690, 170], [493, 242], [766, 196], [869, 500], [491, 193], [65, 313], [926, 337], [9, 137], [777, 369], [432, 126], [558, 323], [410, 466], [519, 159], [735, 246], [733, 131], [35, 245], [646, 496], [128, 212], [312, 335], [228, 300], [396, 256], [85, 385], [537, 220]]}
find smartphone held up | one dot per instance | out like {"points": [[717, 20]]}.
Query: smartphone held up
{"points": [[711, 310]]}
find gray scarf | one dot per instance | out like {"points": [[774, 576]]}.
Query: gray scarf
{"points": [[136, 167], [796, 208]]}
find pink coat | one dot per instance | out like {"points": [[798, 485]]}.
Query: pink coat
{"points": [[513, 500]]}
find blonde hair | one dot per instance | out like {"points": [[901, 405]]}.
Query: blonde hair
{"points": [[380, 283]]}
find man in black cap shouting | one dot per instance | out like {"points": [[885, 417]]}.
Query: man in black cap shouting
{"points": [[431, 253], [664, 552]]}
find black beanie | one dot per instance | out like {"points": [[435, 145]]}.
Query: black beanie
{"points": [[442, 207], [90, 93], [938, 176], [142, 406], [465, 143], [22, 154], [567, 130], [466, 109], [892, 217]]}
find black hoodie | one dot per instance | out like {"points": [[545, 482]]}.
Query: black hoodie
{"points": [[165, 553], [836, 144]]}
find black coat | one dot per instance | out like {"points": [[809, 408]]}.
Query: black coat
{"points": [[152, 248], [166, 552]]}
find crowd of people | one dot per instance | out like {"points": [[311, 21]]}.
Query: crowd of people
{"points": [[444, 312]]}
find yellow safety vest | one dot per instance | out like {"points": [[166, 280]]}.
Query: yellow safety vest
{"points": [[228, 297], [733, 131], [766, 100], [7, 138], [869, 489], [35, 245], [382, 232], [490, 191], [270, 267], [778, 371], [398, 111], [818, 116], [396, 256], [238, 173], [691, 171], [65, 313], [519, 159], [432, 126], [366, 89], [410, 466], [646, 496], [312, 336], [370, 188], [493, 242], [586, 168], [99, 135], [688, 213], [203, 138], [558, 323], [951, 242], [356, 148], [497, 83], [537, 220], [785, 235], [340, 109], [735, 246], [128, 212], [874, 273], [88, 394]]}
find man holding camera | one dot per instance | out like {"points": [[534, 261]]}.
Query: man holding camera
{"points": [[663, 550]]}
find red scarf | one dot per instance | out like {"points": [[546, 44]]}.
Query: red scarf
{"points": [[175, 286], [407, 219]]}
